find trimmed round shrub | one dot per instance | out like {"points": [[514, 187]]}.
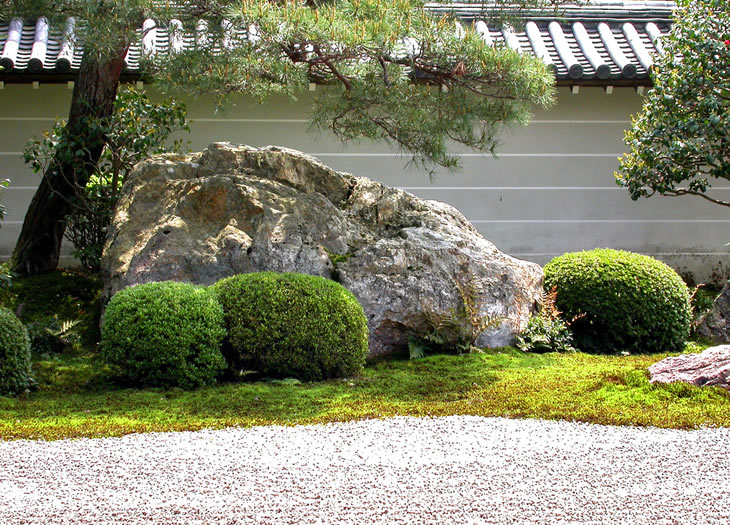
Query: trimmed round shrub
{"points": [[622, 301], [293, 325], [14, 354], [164, 334]]}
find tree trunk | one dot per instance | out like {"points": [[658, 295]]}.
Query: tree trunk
{"points": [[39, 245]]}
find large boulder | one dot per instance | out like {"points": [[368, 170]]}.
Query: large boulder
{"points": [[709, 368], [716, 323], [234, 209]]}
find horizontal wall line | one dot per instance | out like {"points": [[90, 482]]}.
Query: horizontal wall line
{"points": [[472, 188], [27, 119], [520, 188], [303, 120], [484, 155], [567, 221], [545, 254], [396, 155], [469, 188], [285, 120], [683, 254], [599, 221], [252, 120], [580, 122], [507, 188]]}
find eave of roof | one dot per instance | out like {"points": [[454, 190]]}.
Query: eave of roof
{"points": [[606, 10], [606, 42]]}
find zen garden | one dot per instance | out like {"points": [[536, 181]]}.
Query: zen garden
{"points": [[240, 286]]}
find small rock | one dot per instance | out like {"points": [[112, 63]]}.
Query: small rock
{"points": [[709, 368], [716, 323]]}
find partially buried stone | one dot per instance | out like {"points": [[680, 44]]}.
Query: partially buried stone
{"points": [[716, 323], [709, 368], [236, 209]]}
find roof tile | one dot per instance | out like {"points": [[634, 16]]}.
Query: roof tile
{"points": [[580, 45]]}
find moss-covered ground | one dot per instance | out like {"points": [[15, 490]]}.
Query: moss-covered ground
{"points": [[78, 397]]}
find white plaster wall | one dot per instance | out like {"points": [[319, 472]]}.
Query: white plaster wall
{"points": [[551, 189]]}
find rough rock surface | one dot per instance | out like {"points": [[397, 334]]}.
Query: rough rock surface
{"points": [[709, 368], [716, 324], [235, 209]]}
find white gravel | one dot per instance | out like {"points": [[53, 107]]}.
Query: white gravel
{"points": [[403, 470]]}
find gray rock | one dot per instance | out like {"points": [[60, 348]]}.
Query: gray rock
{"points": [[709, 368], [716, 323], [235, 209]]}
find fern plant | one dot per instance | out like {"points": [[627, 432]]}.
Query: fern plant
{"points": [[53, 335], [547, 331], [456, 329]]}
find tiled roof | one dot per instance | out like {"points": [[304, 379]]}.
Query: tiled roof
{"points": [[607, 42]]}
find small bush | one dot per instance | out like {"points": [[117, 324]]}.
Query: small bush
{"points": [[293, 325], [629, 302], [164, 334], [14, 354], [547, 331]]}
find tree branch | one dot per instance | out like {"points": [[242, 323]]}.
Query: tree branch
{"points": [[683, 191]]}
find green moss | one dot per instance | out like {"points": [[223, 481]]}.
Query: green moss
{"points": [[337, 258], [74, 399]]}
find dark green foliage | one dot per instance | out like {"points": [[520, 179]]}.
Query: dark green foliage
{"points": [[49, 335], [164, 334], [54, 300], [14, 354], [680, 141], [631, 302], [6, 276], [293, 325]]}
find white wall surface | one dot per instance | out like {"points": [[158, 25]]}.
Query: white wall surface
{"points": [[550, 190]]}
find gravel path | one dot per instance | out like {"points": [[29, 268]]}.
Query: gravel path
{"points": [[403, 470]]}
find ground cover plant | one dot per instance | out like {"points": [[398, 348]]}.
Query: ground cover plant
{"points": [[78, 396]]}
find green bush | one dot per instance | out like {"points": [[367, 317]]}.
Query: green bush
{"points": [[14, 354], [164, 334], [630, 302], [293, 325]]}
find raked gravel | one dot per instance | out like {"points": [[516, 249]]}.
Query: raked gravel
{"points": [[401, 470]]}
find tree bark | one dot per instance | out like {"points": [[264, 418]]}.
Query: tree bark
{"points": [[39, 245]]}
